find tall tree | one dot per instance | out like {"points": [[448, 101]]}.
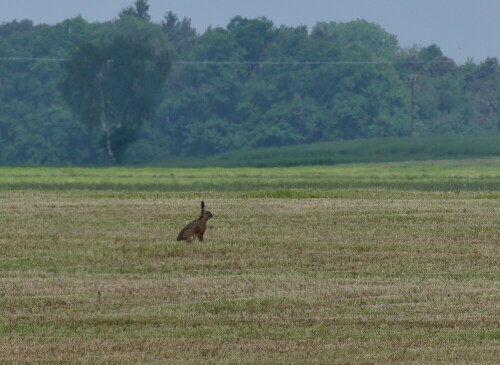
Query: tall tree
{"points": [[252, 35], [113, 87], [180, 33], [372, 36], [483, 83], [139, 10]]}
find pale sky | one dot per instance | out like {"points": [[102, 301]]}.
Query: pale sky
{"points": [[461, 28]]}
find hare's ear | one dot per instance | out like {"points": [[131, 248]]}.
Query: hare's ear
{"points": [[202, 206]]}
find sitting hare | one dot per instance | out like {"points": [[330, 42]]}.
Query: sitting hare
{"points": [[197, 227]]}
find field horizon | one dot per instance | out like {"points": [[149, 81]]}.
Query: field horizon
{"points": [[355, 151]]}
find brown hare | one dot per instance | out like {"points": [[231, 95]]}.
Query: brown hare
{"points": [[197, 227]]}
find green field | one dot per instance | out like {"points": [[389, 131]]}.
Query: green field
{"points": [[453, 175], [346, 264], [390, 149]]}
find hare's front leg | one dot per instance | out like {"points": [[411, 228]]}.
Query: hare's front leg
{"points": [[200, 236]]}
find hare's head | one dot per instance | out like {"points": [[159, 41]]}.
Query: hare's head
{"points": [[205, 213]]}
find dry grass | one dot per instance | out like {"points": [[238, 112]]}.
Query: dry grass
{"points": [[369, 276]]}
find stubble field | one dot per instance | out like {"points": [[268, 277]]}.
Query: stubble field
{"points": [[90, 272]]}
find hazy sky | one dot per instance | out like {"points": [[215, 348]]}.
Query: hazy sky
{"points": [[461, 28]]}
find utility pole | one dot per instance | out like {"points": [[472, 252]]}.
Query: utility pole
{"points": [[413, 80]]}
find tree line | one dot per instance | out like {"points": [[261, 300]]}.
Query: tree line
{"points": [[249, 84]]}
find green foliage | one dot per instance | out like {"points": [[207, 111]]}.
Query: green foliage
{"points": [[36, 128], [139, 10], [115, 84], [179, 33], [252, 35], [371, 37], [214, 108], [357, 86]]}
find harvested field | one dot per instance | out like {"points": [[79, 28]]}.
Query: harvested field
{"points": [[353, 276]]}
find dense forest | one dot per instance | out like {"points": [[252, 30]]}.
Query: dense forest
{"points": [[250, 84]]}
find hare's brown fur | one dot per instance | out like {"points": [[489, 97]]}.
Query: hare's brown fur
{"points": [[197, 227]]}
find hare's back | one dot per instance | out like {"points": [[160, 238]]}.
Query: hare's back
{"points": [[186, 231]]}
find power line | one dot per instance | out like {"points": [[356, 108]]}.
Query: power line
{"points": [[305, 62], [34, 59], [182, 62]]}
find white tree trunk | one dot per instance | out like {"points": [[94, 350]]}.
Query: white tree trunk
{"points": [[104, 124]]}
